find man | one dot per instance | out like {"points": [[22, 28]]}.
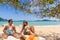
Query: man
{"points": [[10, 30]]}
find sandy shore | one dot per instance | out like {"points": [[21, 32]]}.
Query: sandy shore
{"points": [[48, 29], [40, 29]]}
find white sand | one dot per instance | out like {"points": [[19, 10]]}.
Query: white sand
{"points": [[40, 29], [11, 38], [44, 30]]}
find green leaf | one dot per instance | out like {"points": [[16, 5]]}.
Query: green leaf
{"points": [[51, 1]]}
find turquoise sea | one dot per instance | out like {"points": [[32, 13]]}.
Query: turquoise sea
{"points": [[35, 23]]}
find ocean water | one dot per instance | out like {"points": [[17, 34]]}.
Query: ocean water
{"points": [[34, 23]]}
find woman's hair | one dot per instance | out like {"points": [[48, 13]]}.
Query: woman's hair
{"points": [[25, 22]]}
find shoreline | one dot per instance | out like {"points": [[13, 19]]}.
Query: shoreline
{"points": [[37, 25]]}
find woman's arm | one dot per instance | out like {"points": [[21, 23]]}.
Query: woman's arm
{"points": [[22, 29]]}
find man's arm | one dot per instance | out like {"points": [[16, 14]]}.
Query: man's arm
{"points": [[4, 30], [14, 29]]}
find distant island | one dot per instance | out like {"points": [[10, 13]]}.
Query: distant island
{"points": [[34, 20], [1, 19]]}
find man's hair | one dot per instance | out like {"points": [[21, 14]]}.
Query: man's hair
{"points": [[9, 20]]}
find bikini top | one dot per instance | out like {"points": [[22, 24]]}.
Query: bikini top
{"points": [[26, 28]]}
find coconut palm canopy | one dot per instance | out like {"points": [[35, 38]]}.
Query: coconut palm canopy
{"points": [[41, 8]]}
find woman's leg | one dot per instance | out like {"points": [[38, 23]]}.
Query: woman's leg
{"points": [[15, 35], [18, 36], [32, 29], [4, 36], [22, 37]]}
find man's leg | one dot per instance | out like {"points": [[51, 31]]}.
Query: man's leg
{"points": [[4, 36]]}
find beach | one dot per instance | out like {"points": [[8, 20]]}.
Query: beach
{"points": [[42, 30], [48, 29]]}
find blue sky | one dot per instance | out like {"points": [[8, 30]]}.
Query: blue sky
{"points": [[7, 12], [10, 13]]}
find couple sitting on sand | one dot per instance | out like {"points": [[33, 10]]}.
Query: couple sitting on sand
{"points": [[10, 30]]}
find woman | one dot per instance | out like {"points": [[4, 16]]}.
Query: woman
{"points": [[26, 30]]}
